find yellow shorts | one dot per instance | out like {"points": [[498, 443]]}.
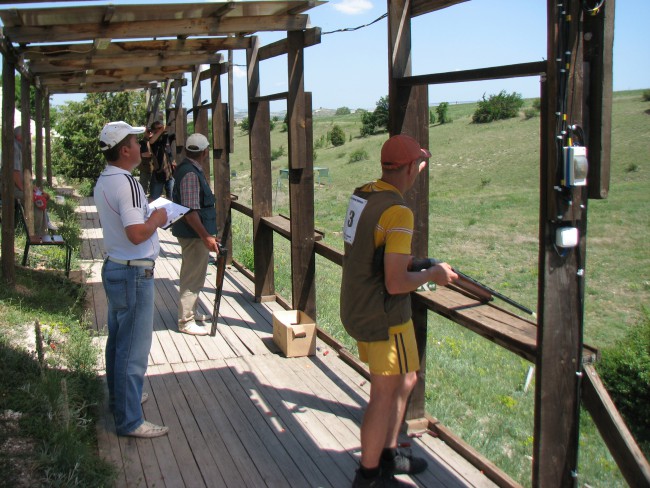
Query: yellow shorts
{"points": [[397, 355]]}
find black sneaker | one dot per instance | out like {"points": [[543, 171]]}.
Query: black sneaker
{"points": [[381, 481], [404, 463]]}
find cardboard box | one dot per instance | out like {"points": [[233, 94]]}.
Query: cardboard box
{"points": [[295, 333]]}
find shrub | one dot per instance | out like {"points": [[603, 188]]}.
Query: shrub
{"points": [[537, 104], [441, 110], [244, 125], [646, 96], [625, 370], [529, 113], [432, 116], [337, 136], [277, 153], [358, 155], [498, 107], [343, 111]]}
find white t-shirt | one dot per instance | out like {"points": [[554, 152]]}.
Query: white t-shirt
{"points": [[121, 202]]}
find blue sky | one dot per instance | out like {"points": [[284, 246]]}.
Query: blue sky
{"points": [[350, 68]]}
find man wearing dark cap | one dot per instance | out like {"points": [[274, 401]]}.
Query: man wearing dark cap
{"points": [[131, 242], [195, 232], [376, 306]]}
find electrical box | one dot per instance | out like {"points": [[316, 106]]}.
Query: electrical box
{"points": [[566, 237], [576, 166]]}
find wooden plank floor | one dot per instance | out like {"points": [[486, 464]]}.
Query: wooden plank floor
{"points": [[239, 413]]}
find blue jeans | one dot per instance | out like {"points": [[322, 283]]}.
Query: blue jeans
{"points": [[157, 188], [130, 294]]}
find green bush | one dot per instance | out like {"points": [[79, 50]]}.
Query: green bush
{"points": [[432, 116], [497, 107], [358, 155], [625, 370], [646, 96], [337, 136], [441, 110], [529, 113], [277, 153], [537, 104], [343, 111]]}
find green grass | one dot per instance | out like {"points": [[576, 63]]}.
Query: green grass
{"points": [[55, 393], [484, 217]]}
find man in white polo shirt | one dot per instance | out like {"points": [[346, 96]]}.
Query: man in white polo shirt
{"points": [[131, 242]]}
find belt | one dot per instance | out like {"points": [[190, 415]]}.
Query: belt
{"points": [[146, 263]]}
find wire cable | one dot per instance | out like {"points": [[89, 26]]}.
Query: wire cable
{"points": [[351, 29]]}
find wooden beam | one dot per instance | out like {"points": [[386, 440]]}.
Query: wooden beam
{"points": [[420, 7], [620, 442], [598, 104], [123, 62], [561, 274], [159, 28], [278, 48], [145, 75], [8, 110], [493, 73], [272, 97], [301, 180], [260, 153], [133, 48]]}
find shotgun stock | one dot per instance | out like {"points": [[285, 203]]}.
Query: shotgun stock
{"points": [[221, 272], [483, 292]]}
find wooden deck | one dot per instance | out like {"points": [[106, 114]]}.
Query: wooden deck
{"points": [[239, 413]]}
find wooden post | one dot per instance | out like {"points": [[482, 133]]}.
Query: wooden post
{"points": [[301, 180], [28, 188], [8, 108], [38, 148], [199, 113], [180, 121], [231, 102], [561, 271], [260, 153], [599, 42], [220, 159], [409, 114], [48, 137]]}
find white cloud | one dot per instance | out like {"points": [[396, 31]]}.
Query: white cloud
{"points": [[238, 72], [353, 7]]}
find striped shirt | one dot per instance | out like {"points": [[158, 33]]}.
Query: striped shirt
{"points": [[121, 202]]}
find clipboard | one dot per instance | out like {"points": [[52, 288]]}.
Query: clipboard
{"points": [[174, 210]]}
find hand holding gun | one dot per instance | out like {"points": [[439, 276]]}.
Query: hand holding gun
{"points": [[483, 292]]}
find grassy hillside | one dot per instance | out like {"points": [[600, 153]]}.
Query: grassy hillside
{"points": [[484, 213]]}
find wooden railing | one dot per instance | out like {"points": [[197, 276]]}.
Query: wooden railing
{"points": [[509, 331]]}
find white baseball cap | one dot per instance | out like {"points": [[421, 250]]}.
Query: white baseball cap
{"points": [[197, 143], [114, 132]]}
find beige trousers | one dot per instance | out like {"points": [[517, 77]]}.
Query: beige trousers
{"points": [[194, 268]]}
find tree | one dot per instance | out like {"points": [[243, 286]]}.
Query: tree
{"points": [[370, 122], [441, 111], [432, 116], [337, 136], [79, 124], [343, 111]]}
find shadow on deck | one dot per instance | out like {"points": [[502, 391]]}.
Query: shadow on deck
{"points": [[239, 413]]}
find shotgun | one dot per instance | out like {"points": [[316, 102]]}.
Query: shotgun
{"points": [[221, 272], [483, 292]]}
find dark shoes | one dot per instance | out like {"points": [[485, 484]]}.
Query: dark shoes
{"points": [[403, 463], [380, 481]]}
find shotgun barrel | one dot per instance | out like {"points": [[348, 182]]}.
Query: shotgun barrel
{"points": [[469, 284]]}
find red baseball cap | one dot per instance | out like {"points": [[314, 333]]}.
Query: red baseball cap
{"points": [[400, 150]]}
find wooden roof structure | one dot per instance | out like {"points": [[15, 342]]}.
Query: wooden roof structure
{"points": [[91, 48], [107, 48]]}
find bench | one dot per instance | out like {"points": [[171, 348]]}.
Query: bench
{"points": [[46, 240]]}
